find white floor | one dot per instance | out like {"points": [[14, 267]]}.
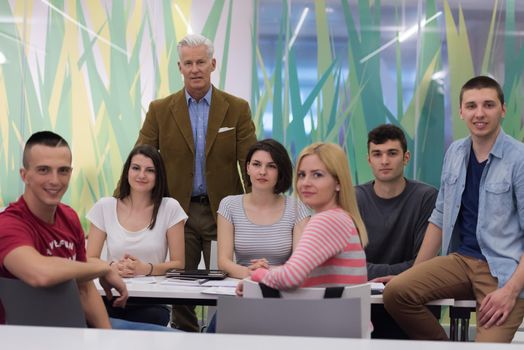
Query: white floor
{"points": [[519, 337]]}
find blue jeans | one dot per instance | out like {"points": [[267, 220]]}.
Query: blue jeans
{"points": [[212, 326], [118, 323], [156, 314]]}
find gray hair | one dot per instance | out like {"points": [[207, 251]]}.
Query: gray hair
{"points": [[195, 40]]}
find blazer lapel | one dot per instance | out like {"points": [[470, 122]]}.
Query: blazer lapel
{"points": [[180, 113], [217, 113]]}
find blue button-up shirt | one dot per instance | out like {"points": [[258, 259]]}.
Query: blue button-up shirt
{"points": [[199, 113], [500, 226]]}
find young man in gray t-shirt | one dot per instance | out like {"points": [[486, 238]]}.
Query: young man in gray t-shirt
{"points": [[395, 211]]}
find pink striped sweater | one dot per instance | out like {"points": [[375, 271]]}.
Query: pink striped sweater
{"points": [[329, 253]]}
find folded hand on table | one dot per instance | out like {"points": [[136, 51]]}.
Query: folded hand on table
{"points": [[258, 263], [131, 266]]}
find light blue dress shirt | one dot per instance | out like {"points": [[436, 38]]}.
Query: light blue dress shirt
{"points": [[500, 226], [199, 113]]}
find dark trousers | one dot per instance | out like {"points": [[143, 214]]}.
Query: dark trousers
{"points": [[385, 327], [200, 229], [155, 314]]}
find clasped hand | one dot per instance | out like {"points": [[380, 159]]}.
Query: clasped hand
{"points": [[258, 263], [130, 266], [255, 264]]}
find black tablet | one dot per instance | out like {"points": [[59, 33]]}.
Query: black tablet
{"points": [[197, 274]]}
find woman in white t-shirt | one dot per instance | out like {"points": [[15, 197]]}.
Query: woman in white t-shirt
{"points": [[261, 227], [140, 225]]}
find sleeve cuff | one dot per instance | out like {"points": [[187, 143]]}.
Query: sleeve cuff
{"points": [[259, 274]]}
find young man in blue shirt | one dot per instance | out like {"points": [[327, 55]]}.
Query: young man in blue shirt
{"points": [[478, 221]]}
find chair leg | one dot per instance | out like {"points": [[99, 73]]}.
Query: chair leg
{"points": [[459, 316], [464, 325], [453, 329]]}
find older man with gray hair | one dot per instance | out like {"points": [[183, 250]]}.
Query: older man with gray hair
{"points": [[203, 134]]}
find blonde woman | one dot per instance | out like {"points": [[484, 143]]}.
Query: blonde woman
{"points": [[330, 251]]}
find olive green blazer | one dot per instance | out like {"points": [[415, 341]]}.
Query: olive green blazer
{"points": [[230, 133]]}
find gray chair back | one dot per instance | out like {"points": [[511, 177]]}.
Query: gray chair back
{"points": [[291, 317], [57, 306], [362, 292]]}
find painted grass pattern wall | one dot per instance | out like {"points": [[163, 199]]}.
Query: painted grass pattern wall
{"points": [[355, 86], [88, 70]]}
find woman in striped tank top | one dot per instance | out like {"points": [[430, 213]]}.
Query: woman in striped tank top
{"points": [[261, 227], [330, 251]]}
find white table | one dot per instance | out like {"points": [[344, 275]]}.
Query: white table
{"points": [[459, 315], [377, 299], [37, 338], [157, 293]]}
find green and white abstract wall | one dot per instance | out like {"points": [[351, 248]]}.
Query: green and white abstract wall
{"points": [[312, 70]]}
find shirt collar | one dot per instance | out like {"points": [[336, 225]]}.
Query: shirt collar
{"points": [[207, 96], [498, 147]]}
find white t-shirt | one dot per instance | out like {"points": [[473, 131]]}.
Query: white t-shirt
{"points": [[147, 245]]}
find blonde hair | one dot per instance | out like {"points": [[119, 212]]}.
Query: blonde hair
{"points": [[336, 162]]}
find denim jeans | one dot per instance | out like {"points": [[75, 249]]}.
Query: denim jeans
{"points": [[212, 326], [117, 323]]}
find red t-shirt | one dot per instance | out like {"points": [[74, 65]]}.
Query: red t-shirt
{"points": [[64, 238]]}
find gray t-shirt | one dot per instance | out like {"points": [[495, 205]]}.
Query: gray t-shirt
{"points": [[395, 226], [273, 242]]}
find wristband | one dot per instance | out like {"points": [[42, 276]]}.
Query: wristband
{"points": [[151, 270]]}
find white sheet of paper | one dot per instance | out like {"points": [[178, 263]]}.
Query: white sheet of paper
{"points": [[221, 283], [377, 286], [219, 290], [140, 280]]}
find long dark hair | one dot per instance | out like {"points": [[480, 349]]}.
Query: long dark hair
{"points": [[159, 190]]}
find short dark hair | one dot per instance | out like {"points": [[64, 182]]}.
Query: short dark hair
{"points": [[482, 82], [382, 133], [160, 189], [280, 157], [45, 138]]}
